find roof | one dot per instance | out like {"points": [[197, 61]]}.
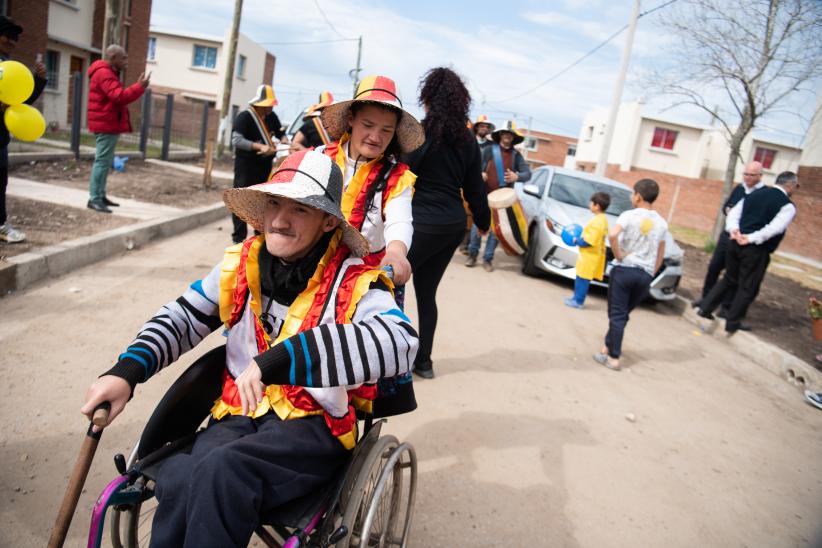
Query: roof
{"points": [[186, 34]]}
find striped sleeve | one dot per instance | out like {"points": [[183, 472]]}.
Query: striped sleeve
{"points": [[176, 328], [379, 342]]}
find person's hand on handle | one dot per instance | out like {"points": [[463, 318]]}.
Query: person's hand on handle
{"points": [[263, 150], [144, 79], [250, 387], [110, 388], [395, 256]]}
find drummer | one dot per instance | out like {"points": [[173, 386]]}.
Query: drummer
{"points": [[312, 134], [369, 132], [252, 137], [503, 166]]}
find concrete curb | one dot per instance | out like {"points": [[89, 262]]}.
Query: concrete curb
{"points": [[44, 156], [768, 356], [28, 268]]}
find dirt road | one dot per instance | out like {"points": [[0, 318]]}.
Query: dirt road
{"points": [[522, 439]]}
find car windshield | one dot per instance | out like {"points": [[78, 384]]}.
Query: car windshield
{"points": [[578, 192]]}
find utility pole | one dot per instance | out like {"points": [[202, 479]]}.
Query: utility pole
{"points": [[602, 162], [355, 74], [112, 24], [527, 138], [225, 105]]}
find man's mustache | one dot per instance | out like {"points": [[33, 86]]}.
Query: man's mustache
{"points": [[281, 232]]}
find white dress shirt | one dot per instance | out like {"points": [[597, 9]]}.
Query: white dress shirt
{"points": [[778, 224]]}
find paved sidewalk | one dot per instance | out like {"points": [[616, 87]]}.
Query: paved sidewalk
{"points": [[24, 188], [192, 169]]}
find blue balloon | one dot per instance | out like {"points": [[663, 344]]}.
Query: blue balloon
{"points": [[570, 234]]}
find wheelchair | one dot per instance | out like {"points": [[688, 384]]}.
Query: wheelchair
{"points": [[370, 503]]}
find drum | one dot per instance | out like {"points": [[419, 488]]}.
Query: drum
{"points": [[508, 221]]}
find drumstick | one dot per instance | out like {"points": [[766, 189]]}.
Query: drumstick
{"points": [[78, 476]]}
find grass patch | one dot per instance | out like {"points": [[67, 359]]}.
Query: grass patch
{"points": [[693, 237]]}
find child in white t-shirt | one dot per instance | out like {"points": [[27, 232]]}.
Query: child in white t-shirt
{"points": [[638, 244]]}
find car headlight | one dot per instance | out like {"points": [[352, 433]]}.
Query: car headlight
{"points": [[553, 226]]}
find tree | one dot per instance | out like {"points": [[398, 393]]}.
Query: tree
{"points": [[746, 55]]}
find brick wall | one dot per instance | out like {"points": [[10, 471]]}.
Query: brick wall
{"points": [[33, 16], [268, 72], [551, 149], [699, 201]]}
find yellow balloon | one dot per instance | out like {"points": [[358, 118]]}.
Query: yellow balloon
{"points": [[25, 122], [16, 82]]}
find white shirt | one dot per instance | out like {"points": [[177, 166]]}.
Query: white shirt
{"points": [[397, 224], [778, 224], [642, 230]]}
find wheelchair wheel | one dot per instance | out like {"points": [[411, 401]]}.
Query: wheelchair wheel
{"points": [[377, 509], [131, 526]]}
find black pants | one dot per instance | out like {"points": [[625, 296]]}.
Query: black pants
{"points": [[4, 182], [744, 272], [715, 268], [238, 469], [627, 287], [429, 257]]}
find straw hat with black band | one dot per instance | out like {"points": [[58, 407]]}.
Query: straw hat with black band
{"points": [[308, 177], [378, 90], [510, 127]]}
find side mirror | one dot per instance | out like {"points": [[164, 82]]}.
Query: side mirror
{"points": [[531, 190]]}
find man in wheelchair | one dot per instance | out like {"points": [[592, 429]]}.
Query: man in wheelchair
{"points": [[309, 326]]}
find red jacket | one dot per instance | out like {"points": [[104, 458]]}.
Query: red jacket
{"points": [[108, 99]]}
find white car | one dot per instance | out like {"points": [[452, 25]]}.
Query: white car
{"points": [[555, 198]]}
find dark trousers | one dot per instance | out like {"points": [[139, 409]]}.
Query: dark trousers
{"points": [[238, 469], [744, 272], [627, 288], [715, 268], [4, 182], [429, 257]]}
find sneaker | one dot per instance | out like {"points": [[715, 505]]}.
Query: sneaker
{"points": [[98, 205], [570, 301], [470, 261], [464, 250], [10, 234], [488, 266], [814, 398]]}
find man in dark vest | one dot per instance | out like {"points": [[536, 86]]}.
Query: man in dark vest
{"points": [[756, 225], [751, 180]]}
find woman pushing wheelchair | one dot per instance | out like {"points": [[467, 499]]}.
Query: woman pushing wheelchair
{"points": [[310, 327]]}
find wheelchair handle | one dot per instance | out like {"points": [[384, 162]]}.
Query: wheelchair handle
{"points": [[100, 416]]}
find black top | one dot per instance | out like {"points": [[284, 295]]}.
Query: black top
{"points": [[759, 208], [736, 194], [249, 167], [311, 137], [443, 170], [39, 86]]}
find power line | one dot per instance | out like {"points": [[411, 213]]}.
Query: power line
{"points": [[308, 42], [581, 59], [316, 3]]}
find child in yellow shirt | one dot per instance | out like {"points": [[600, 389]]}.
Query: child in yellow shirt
{"points": [[591, 262]]}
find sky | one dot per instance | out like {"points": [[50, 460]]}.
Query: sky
{"points": [[503, 50]]}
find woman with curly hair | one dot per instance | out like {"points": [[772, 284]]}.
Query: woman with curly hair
{"points": [[448, 168]]}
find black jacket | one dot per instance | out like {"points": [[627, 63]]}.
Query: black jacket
{"points": [[39, 86]]}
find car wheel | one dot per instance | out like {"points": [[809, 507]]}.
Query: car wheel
{"points": [[529, 267]]}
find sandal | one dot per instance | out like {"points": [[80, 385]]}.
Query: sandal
{"points": [[602, 359]]}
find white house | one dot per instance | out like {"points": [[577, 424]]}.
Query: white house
{"points": [[661, 144], [192, 66]]}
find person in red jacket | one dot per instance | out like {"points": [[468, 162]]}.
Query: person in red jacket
{"points": [[108, 117]]}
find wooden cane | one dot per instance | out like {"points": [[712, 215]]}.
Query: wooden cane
{"points": [[78, 476]]}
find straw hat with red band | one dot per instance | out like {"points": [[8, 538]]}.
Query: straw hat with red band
{"points": [[378, 90], [308, 177], [325, 100], [483, 119], [510, 127], [265, 97]]}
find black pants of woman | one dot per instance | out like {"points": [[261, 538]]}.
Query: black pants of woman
{"points": [[429, 256]]}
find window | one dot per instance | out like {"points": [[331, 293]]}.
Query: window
{"points": [[589, 133], [151, 53], [765, 156], [4, 7], [572, 150], [205, 57], [52, 68], [577, 192], [664, 138], [530, 143], [241, 67], [539, 179]]}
